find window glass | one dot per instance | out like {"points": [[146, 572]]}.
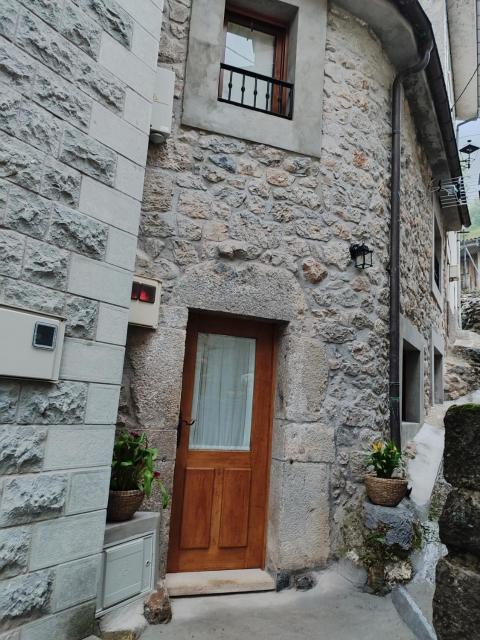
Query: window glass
{"points": [[223, 392], [253, 50], [437, 256]]}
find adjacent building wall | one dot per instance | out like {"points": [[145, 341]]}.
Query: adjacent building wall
{"points": [[77, 80], [237, 227]]}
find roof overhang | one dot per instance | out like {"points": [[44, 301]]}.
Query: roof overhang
{"points": [[462, 27], [404, 30]]}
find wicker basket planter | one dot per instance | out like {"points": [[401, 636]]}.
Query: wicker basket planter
{"points": [[387, 492], [122, 505]]}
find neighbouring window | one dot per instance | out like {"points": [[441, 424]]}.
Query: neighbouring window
{"points": [[437, 255], [254, 67], [411, 383], [437, 376]]}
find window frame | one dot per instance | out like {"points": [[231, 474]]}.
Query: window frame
{"points": [[265, 24], [438, 291], [307, 33], [262, 23]]}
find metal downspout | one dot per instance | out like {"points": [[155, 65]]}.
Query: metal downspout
{"points": [[394, 375]]}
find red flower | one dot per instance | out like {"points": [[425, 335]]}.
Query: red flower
{"points": [[135, 434], [156, 474]]}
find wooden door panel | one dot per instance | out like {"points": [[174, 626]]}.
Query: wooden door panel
{"points": [[235, 508], [219, 502], [197, 508]]}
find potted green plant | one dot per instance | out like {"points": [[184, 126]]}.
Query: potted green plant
{"points": [[383, 460], [133, 476]]}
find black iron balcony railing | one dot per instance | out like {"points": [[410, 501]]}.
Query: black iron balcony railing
{"points": [[255, 91]]}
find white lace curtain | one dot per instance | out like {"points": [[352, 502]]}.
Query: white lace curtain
{"points": [[223, 392]]}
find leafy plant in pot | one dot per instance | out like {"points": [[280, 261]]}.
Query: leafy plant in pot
{"points": [[383, 461], [133, 476]]}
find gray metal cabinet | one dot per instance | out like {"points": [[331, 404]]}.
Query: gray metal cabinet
{"points": [[128, 570]]}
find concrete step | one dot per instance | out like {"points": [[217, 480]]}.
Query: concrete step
{"points": [[196, 583], [411, 614]]}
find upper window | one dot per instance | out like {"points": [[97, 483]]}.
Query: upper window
{"points": [[437, 255], [254, 67]]}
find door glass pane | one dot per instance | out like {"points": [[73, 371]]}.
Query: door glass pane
{"points": [[253, 50], [223, 392]]}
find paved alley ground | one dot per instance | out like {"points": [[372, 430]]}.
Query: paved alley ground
{"points": [[334, 610]]}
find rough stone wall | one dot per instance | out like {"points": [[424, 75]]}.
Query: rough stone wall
{"points": [[456, 603], [242, 228], [417, 302], [76, 87]]}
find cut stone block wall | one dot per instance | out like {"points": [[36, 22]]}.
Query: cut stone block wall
{"points": [[236, 227], [75, 99]]}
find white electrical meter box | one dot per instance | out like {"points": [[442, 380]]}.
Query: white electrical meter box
{"points": [[145, 302], [128, 570], [129, 561], [162, 105], [30, 344], [454, 272]]}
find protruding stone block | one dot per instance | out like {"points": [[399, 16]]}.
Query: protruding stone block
{"points": [[81, 30], [33, 497], [22, 449], [462, 443], [60, 182], [81, 314], [8, 400], [456, 603], [111, 17], [157, 609], [304, 378], [45, 265], [19, 293], [27, 213], [24, 598], [87, 155], [72, 230], [460, 521], [14, 548], [11, 253], [61, 97], [395, 523], [62, 403], [17, 69], [304, 515]]}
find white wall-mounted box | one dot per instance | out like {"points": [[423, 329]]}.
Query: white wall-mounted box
{"points": [[30, 344], [162, 105], [454, 272], [128, 571], [145, 302], [130, 561]]}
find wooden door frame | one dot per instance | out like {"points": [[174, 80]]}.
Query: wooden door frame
{"points": [[228, 325]]}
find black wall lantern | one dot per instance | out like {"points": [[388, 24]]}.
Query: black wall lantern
{"points": [[362, 255]]}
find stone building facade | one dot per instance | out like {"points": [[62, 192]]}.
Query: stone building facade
{"points": [[255, 222], [75, 96], [236, 227]]}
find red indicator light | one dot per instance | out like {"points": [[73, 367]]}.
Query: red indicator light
{"points": [[143, 292], [147, 293]]}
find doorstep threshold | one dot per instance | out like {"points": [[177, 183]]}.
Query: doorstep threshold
{"points": [[201, 583]]}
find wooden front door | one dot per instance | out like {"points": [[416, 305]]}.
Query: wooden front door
{"points": [[220, 490]]}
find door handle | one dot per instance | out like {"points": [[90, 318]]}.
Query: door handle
{"points": [[181, 422]]}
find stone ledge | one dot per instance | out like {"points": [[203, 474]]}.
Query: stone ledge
{"points": [[142, 522]]}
